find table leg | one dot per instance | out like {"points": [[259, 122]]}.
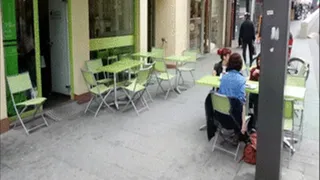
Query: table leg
{"points": [[115, 91], [177, 80], [203, 127]]}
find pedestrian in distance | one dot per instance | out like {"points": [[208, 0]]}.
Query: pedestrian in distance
{"points": [[247, 37]]}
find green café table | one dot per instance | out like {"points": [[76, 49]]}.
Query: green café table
{"points": [[116, 68], [144, 56], [178, 59], [293, 92]]}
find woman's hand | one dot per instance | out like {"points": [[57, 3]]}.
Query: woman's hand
{"points": [[256, 72], [243, 129]]}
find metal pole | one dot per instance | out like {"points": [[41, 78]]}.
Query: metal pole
{"points": [[271, 88]]}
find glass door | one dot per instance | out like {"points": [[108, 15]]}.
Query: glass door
{"points": [[196, 27]]}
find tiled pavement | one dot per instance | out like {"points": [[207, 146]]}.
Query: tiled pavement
{"points": [[162, 143]]}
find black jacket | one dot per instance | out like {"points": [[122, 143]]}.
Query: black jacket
{"points": [[226, 121], [247, 32]]}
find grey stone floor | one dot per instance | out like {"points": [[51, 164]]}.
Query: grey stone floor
{"points": [[162, 143]]}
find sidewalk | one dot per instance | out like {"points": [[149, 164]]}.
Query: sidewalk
{"points": [[163, 143]]}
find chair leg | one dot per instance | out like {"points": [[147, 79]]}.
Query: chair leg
{"points": [[236, 155], [131, 101], [159, 86], [104, 101], [100, 105], [149, 95], [215, 141], [35, 113], [193, 79], [20, 119], [89, 103]]}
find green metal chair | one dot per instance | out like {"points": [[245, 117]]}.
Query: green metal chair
{"points": [[93, 66], [288, 127], [21, 83], [299, 81], [98, 92], [189, 66], [136, 89], [162, 74], [222, 105]]}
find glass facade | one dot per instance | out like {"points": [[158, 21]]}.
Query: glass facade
{"points": [[109, 18]]}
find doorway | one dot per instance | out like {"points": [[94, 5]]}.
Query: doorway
{"points": [[55, 64], [151, 24]]}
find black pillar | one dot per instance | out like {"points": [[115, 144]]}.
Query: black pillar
{"points": [[273, 73]]}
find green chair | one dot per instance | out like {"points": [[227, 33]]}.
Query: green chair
{"points": [[190, 66], [112, 59], [299, 81], [162, 74], [98, 92], [222, 105], [19, 84], [288, 127], [93, 66], [136, 89]]}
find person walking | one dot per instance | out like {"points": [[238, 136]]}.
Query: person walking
{"points": [[247, 37]]}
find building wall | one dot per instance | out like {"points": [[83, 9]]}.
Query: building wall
{"points": [[182, 14], [142, 36], [80, 42], [172, 24]]}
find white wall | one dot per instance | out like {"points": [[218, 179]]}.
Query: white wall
{"points": [[142, 44]]}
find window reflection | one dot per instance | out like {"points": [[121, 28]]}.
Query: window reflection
{"points": [[110, 18]]}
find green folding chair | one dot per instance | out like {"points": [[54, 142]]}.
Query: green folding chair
{"points": [[19, 84], [162, 74], [136, 89], [288, 127], [190, 66], [93, 66], [222, 105], [98, 92]]}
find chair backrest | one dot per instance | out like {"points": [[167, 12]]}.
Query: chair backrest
{"points": [[93, 65], [124, 56], [288, 109], [112, 59], [19, 83], [221, 103], [190, 53], [296, 81], [144, 75], [160, 65], [157, 52], [89, 78]]}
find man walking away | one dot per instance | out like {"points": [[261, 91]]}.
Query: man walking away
{"points": [[247, 37]]}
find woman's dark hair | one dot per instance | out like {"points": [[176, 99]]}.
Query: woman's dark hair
{"points": [[258, 58], [235, 62], [223, 52]]}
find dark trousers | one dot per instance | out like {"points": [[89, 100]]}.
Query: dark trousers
{"points": [[244, 51], [253, 103]]}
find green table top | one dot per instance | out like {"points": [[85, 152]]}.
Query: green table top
{"points": [[179, 58], [294, 92], [143, 54], [120, 66]]}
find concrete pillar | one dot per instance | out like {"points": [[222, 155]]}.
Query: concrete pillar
{"points": [[171, 23], [142, 35], [80, 42], [4, 122]]}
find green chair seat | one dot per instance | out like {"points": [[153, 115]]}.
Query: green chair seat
{"points": [[135, 87], [165, 76], [100, 89], [32, 102]]}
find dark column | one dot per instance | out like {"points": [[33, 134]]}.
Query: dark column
{"points": [[272, 80]]}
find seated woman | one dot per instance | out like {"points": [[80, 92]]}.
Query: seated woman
{"points": [[232, 84], [219, 67], [253, 98]]}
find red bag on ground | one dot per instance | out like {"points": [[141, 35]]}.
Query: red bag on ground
{"points": [[250, 150]]}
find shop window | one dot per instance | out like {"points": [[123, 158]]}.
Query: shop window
{"points": [[109, 18]]}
